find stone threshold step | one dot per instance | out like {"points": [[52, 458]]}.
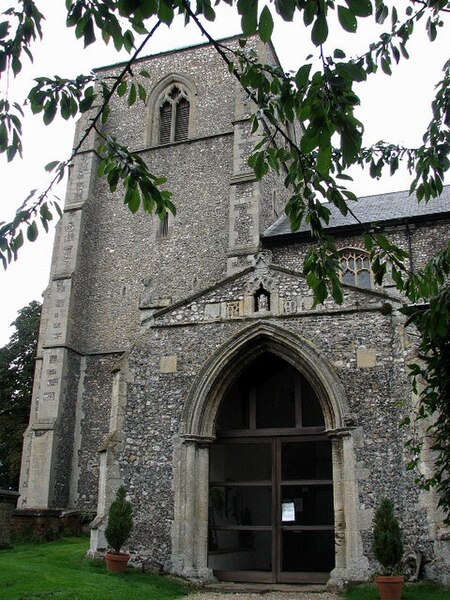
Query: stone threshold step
{"points": [[263, 588]]}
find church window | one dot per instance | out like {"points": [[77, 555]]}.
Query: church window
{"points": [[174, 115], [355, 268], [164, 226]]}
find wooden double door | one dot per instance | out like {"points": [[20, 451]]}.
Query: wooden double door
{"points": [[271, 516]]}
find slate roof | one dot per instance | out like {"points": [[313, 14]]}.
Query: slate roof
{"points": [[382, 208]]}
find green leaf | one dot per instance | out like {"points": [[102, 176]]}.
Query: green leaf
{"points": [[86, 103], [360, 8], [286, 9], [32, 231], [51, 165], [142, 93], [4, 26], [302, 75], [351, 71], [308, 141], [88, 33], [309, 12], [347, 19], [165, 11], [3, 137], [319, 31], [265, 24], [128, 41], [386, 67], [122, 88], [324, 160], [338, 53], [133, 199], [132, 95], [249, 11], [50, 112], [105, 114]]}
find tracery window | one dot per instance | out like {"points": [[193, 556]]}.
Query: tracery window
{"points": [[355, 268], [174, 115], [164, 226]]}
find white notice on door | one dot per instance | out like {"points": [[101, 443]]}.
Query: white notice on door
{"points": [[287, 511]]}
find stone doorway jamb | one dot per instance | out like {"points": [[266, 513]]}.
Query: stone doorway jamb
{"points": [[191, 456]]}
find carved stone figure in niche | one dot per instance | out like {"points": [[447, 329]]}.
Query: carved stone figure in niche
{"points": [[262, 299], [147, 294]]}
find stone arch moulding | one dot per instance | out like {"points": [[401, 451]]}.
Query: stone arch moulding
{"points": [[198, 418], [196, 433], [151, 130]]}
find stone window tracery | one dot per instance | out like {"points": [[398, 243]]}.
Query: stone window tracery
{"points": [[355, 268], [164, 226], [174, 111]]}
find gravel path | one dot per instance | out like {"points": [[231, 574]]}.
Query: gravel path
{"points": [[233, 591], [263, 596]]}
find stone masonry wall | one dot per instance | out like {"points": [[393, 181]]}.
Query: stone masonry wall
{"points": [[94, 406], [156, 399], [66, 432], [119, 250]]}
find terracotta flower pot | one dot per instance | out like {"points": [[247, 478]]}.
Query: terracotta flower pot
{"points": [[390, 587], [116, 563]]}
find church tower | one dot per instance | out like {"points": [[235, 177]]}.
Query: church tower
{"points": [[111, 270]]}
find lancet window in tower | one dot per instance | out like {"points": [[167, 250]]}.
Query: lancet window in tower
{"points": [[174, 116], [355, 268], [164, 226]]}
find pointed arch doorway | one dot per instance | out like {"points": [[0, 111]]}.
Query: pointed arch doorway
{"points": [[271, 515]]}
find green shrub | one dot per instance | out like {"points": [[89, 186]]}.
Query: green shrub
{"points": [[120, 521], [387, 538]]}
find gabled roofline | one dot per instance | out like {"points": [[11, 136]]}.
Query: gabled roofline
{"points": [[353, 228], [192, 297], [386, 295]]}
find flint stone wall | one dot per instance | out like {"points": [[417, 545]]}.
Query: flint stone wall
{"points": [[155, 402]]}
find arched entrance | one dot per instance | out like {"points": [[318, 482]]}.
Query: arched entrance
{"points": [[197, 435], [271, 515]]}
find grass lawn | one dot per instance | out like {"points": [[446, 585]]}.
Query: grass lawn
{"points": [[416, 591], [59, 571]]}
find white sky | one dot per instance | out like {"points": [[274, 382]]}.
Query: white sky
{"points": [[395, 109]]}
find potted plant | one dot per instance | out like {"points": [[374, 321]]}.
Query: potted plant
{"points": [[388, 549], [120, 522]]}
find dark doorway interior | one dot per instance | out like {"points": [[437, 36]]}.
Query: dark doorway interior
{"points": [[271, 515]]}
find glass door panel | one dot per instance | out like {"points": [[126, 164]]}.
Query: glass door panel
{"points": [[241, 550], [240, 505], [306, 512], [240, 462], [307, 505], [306, 460], [307, 551]]}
